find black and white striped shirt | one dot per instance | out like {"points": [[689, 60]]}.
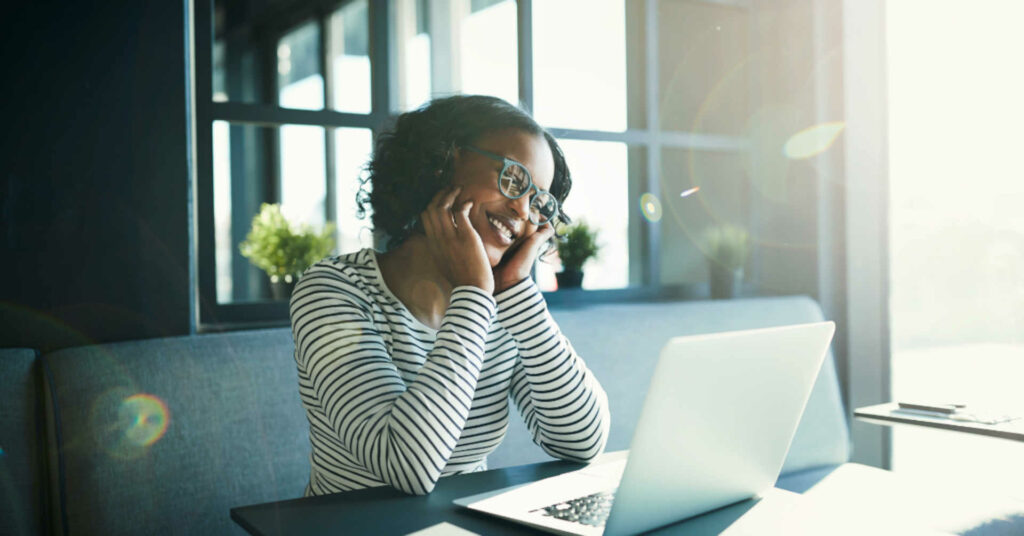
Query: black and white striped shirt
{"points": [[392, 401]]}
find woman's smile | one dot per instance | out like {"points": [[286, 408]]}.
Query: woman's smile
{"points": [[505, 229]]}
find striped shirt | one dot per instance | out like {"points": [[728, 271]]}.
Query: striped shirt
{"points": [[393, 402]]}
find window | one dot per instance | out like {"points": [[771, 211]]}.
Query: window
{"points": [[290, 95], [286, 110], [956, 233]]}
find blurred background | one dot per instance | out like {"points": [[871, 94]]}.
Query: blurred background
{"points": [[868, 149]]}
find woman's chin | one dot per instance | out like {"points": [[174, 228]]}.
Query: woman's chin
{"points": [[494, 254]]}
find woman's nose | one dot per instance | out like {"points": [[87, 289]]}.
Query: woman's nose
{"points": [[521, 206]]}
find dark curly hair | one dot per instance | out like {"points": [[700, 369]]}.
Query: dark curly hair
{"points": [[412, 161]]}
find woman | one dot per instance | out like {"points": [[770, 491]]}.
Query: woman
{"points": [[407, 359]]}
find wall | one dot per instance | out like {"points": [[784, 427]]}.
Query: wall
{"points": [[94, 191]]}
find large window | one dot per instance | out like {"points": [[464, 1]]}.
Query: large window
{"points": [[956, 231], [290, 95]]}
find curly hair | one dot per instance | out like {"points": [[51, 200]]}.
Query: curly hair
{"points": [[412, 160]]}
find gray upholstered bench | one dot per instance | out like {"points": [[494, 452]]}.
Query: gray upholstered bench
{"points": [[22, 465], [236, 433]]}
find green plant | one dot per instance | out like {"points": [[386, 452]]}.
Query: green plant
{"points": [[577, 245], [282, 250], [728, 245]]}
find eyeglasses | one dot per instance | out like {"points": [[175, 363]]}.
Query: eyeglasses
{"points": [[514, 182]]}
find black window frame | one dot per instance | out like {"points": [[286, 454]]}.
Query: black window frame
{"points": [[210, 316]]}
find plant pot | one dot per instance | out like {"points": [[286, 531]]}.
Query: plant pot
{"points": [[726, 283], [569, 278], [281, 290]]}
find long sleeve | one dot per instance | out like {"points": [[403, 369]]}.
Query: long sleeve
{"points": [[564, 406], [402, 433]]}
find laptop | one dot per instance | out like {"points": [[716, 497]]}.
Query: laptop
{"points": [[715, 427]]}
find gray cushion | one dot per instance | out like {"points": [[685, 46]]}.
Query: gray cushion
{"points": [[22, 483], [236, 433], [621, 343]]}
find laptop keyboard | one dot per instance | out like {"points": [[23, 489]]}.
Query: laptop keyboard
{"points": [[591, 510]]}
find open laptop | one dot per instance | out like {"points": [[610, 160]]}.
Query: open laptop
{"points": [[719, 415]]}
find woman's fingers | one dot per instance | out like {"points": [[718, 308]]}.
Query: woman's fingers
{"points": [[444, 199], [462, 218], [540, 237], [444, 220]]}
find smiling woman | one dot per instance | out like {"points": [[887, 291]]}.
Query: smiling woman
{"points": [[408, 359]]}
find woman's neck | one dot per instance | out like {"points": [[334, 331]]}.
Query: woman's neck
{"points": [[412, 275]]}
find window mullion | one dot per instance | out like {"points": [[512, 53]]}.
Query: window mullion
{"points": [[327, 68], [524, 28], [204, 228], [384, 97], [654, 148]]}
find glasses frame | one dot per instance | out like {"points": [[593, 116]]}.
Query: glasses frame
{"points": [[508, 162]]}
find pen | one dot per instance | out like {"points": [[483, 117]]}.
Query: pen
{"points": [[926, 413], [943, 409]]}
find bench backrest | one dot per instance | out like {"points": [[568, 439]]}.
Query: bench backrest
{"points": [[621, 343], [235, 433], [22, 489]]}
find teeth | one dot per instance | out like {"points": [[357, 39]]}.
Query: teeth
{"points": [[501, 227]]}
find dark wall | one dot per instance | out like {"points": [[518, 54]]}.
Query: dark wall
{"points": [[95, 180]]}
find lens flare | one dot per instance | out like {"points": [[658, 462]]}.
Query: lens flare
{"points": [[689, 192], [813, 140], [126, 423], [145, 419], [650, 207]]}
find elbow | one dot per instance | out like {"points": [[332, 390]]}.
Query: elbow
{"points": [[412, 483], [600, 441], [592, 454]]}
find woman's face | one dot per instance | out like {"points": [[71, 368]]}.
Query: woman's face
{"points": [[493, 214]]}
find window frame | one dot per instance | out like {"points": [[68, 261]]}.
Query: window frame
{"points": [[211, 316]]}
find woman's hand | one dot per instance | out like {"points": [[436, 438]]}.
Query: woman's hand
{"points": [[455, 245], [517, 263]]}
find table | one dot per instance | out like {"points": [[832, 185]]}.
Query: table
{"points": [[884, 414], [386, 511]]}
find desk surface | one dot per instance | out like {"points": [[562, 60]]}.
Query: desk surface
{"points": [[386, 511], [884, 414]]}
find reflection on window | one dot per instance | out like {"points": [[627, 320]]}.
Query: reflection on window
{"points": [[580, 69], [239, 186], [350, 57], [412, 52], [303, 183], [242, 174], [220, 91], [723, 198], [222, 209], [236, 59], [489, 56], [441, 51], [600, 196], [353, 148], [299, 81], [705, 67]]}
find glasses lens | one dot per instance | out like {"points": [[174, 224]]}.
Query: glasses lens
{"points": [[515, 181], [543, 207]]}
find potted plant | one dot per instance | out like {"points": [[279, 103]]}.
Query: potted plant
{"points": [[282, 250], [727, 249], [577, 245]]}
